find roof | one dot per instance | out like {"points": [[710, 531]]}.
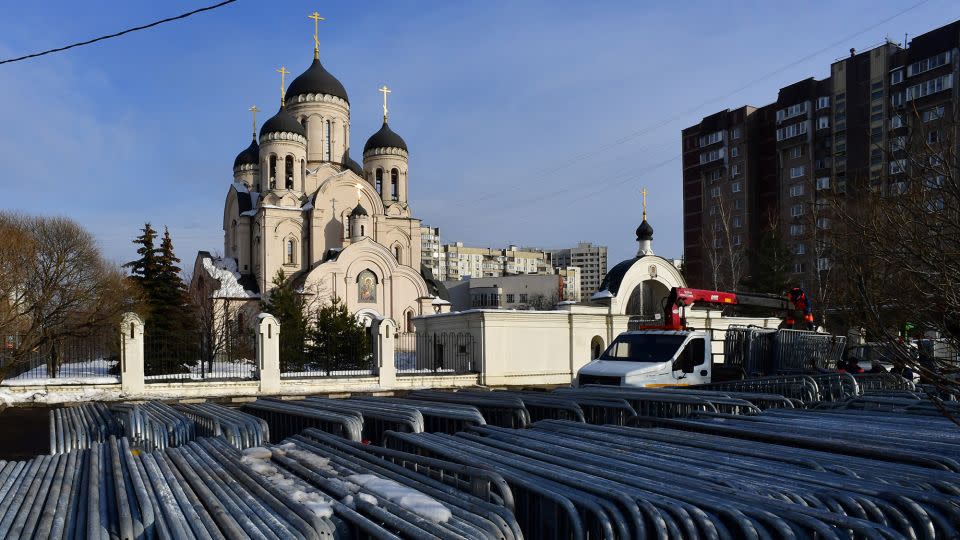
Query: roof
{"points": [[250, 155], [317, 80], [436, 287], [349, 163], [611, 281], [359, 210], [644, 231], [282, 122], [385, 138]]}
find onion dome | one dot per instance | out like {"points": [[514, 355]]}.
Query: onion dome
{"points": [[316, 80], [349, 163], [250, 156], [282, 122], [358, 211], [644, 231], [385, 138]]}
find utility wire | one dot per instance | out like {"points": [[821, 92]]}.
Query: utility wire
{"points": [[118, 34]]}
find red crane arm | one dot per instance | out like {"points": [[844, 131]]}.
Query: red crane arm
{"points": [[683, 297]]}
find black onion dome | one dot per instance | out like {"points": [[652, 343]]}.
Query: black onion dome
{"points": [[250, 156], [317, 80], [282, 122], [349, 163], [359, 211], [644, 231], [385, 138]]}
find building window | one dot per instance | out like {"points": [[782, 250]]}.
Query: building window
{"points": [[896, 121], [793, 130], [712, 138], [823, 102], [738, 204], [823, 122], [823, 182], [291, 251], [273, 171], [717, 242], [796, 229], [510, 298], [329, 148], [896, 99], [737, 222], [823, 263], [928, 63], [795, 151], [379, 182], [823, 223], [796, 210], [796, 191], [791, 111], [898, 166], [799, 268], [714, 175], [735, 169], [397, 251], [736, 187], [800, 249], [735, 133], [394, 183], [927, 88], [715, 191], [935, 113], [797, 172], [288, 172], [523, 298], [896, 76], [933, 137], [737, 240], [712, 155], [714, 209]]}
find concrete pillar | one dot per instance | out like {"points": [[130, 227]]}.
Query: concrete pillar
{"points": [[268, 353], [131, 354], [384, 346]]}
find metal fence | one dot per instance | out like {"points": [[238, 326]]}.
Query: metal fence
{"points": [[339, 357], [445, 353], [185, 357], [88, 359], [763, 351]]}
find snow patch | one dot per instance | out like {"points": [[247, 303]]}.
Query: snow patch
{"points": [[224, 270], [409, 498], [257, 459]]}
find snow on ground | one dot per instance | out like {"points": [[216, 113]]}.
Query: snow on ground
{"points": [[89, 372], [224, 270], [244, 369]]}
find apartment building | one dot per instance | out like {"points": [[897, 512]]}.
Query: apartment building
{"points": [[590, 259], [507, 292], [430, 250], [751, 169], [461, 261]]}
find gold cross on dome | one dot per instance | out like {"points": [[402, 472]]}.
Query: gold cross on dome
{"points": [[359, 192], [644, 193], [254, 110], [316, 33], [283, 87], [384, 90]]}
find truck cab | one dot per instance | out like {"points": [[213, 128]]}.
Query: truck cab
{"points": [[652, 358]]}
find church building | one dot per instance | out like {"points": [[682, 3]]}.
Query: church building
{"points": [[300, 203]]}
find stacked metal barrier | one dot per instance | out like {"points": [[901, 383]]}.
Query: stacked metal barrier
{"points": [[75, 428], [666, 403], [622, 482], [151, 425], [497, 409], [288, 418]]}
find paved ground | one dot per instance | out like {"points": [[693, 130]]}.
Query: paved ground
{"points": [[24, 432]]}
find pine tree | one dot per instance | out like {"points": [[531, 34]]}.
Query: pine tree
{"points": [[289, 307], [143, 271], [170, 288], [337, 341]]}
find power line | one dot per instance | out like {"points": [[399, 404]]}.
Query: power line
{"points": [[118, 34], [669, 120]]}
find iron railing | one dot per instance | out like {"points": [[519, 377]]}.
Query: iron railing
{"points": [[436, 353], [85, 359], [342, 357], [190, 357], [764, 351]]}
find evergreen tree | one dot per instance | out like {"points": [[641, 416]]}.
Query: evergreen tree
{"points": [[170, 290], [337, 341], [770, 265], [143, 271], [289, 307]]}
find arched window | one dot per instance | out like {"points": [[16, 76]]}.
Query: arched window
{"points": [[273, 171], [291, 256], [362, 231], [395, 183], [303, 170], [288, 172], [379, 183], [410, 327], [233, 236], [397, 251], [329, 142]]}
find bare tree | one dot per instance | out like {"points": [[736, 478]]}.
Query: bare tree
{"points": [[819, 238], [724, 246], [55, 285], [897, 243]]}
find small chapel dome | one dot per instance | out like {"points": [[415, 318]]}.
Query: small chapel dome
{"points": [[316, 80], [358, 210], [351, 164], [250, 156], [644, 231], [385, 138], [282, 122]]}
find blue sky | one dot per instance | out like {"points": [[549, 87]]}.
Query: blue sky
{"points": [[533, 122]]}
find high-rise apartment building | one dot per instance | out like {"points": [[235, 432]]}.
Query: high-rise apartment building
{"points": [[756, 169], [592, 261], [464, 261], [430, 250]]}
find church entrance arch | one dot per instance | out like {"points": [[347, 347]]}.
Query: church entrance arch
{"points": [[367, 316], [646, 299]]}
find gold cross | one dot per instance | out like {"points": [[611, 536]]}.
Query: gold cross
{"points": [[384, 90], [316, 33], [283, 87], [644, 193], [359, 192], [254, 110]]}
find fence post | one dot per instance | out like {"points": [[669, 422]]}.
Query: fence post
{"points": [[131, 354], [268, 353], [383, 331]]}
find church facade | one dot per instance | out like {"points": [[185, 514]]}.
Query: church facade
{"points": [[301, 205]]}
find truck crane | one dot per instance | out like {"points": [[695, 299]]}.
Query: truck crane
{"points": [[673, 354]]}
